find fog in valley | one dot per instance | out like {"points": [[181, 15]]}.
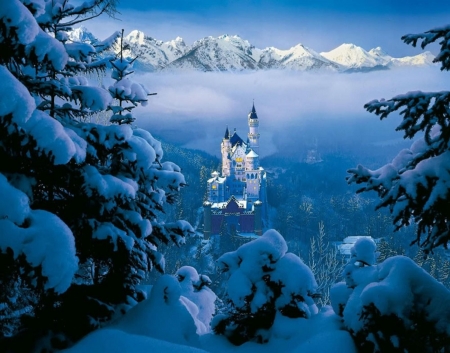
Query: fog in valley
{"points": [[297, 110]]}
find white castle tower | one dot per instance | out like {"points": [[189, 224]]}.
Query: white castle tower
{"points": [[253, 125]]}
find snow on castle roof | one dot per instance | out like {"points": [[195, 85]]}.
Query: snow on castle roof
{"points": [[252, 154]]}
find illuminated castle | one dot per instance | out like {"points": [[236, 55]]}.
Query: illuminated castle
{"points": [[235, 198]]}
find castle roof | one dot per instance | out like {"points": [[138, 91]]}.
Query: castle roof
{"points": [[252, 114], [219, 180], [252, 154], [236, 140], [227, 133]]}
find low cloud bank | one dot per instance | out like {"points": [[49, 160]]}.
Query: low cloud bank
{"points": [[193, 109]]}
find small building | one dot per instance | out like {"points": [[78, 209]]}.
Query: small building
{"points": [[344, 247]]}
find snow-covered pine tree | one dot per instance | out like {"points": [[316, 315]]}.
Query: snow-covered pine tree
{"points": [[394, 306], [125, 91], [266, 286], [415, 185], [102, 187]]}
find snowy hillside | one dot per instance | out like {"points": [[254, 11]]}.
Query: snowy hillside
{"points": [[354, 58], [233, 53]]}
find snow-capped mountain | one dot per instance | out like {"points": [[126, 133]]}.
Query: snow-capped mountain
{"points": [[224, 53], [296, 58], [153, 54], [354, 58], [423, 59], [350, 56], [233, 53], [81, 34]]}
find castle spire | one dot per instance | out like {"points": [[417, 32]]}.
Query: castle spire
{"points": [[227, 134], [252, 114], [253, 134]]}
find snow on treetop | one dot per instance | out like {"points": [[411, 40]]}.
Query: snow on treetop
{"points": [[51, 137], [18, 21], [37, 240], [147, 136], [187, 274], [364, 250], [46, 48], [397, 286], [297, 279], [16, 204], [16, 100], [261, 254], [166, 290]]}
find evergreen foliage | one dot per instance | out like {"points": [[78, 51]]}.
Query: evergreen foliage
{"points": [[394, 306], [95, 193], [265, 282], [415, 186]]}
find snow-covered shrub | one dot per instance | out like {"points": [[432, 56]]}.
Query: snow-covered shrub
{"points": [[163, 315], [416, 184], [195, 287], [102, 187], [392, 307], [265, 284]]}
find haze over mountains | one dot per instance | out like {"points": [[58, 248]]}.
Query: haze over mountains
{"points": [[232, 53]]}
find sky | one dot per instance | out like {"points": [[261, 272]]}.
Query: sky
{"points": [[319, 24], [297, 110]]}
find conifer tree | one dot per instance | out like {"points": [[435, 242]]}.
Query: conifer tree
{"points": [[125, 91], [265, 284], [80, 223], [415, 185]]}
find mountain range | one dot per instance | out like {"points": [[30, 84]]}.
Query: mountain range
{"points": [[232, 53]]}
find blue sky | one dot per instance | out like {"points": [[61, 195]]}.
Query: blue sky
{"points": [[319, 24]]}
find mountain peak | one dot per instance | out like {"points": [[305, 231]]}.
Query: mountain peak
{"points": [[352, 56], [378, 52], [135, 36], [81, 34]]}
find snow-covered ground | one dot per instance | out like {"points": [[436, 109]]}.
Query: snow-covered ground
{"points": [[175, 317], [177, 314]]}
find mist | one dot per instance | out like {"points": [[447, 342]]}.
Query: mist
{"points": [[296, 109]]}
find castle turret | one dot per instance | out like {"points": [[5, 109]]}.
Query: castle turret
{"points": [[253, 125]]}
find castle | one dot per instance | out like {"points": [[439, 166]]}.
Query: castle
{"points": [[236, 198]]}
